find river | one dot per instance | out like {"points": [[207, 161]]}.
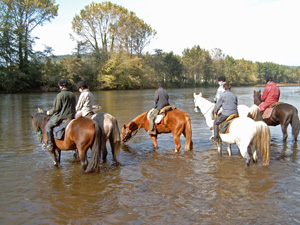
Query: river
{"points": [[151, 186]]}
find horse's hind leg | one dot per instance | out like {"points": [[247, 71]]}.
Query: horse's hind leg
{"points": [[83, 159], [244, 150], [177, 142], [54, 158], [229, 149], [58, 155], [284, 131], [104, 153]]}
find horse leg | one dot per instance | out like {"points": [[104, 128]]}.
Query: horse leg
{"points": [[154, 140], [53, 154], [177, 142], [284, 131], [83, 159], [229, 149], [58, 155], [244, 150], [219, 144], [104, 153], [75, 154]]}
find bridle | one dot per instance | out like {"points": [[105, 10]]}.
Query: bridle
{"points": [[203, 114]]}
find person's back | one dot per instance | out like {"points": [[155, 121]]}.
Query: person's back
{"points": [[270, 95], [85, 102], [161, 98], [228, 101]]}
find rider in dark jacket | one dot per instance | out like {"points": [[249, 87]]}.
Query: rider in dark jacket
{"points": [[63, 108], [228, 101], [161, 100]]}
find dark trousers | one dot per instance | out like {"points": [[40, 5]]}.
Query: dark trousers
{"points": [[217, 122]]}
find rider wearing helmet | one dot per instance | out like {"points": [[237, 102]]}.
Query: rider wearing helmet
{"points": [[85, 102], [63, 109]]}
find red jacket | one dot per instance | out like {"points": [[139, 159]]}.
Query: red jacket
{"points": [[270, 95]]}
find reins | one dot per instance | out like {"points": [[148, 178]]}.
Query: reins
{"points": [[203, 114]]}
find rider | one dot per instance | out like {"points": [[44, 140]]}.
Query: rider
{"points": [[228, 101], [270, 95], [63, 108], [161, 100], [85, 102], [221, 82]]}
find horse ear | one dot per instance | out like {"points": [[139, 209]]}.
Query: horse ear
{"points": [[200, 94], [194, 95], [31, 116], [124, 126], [40, 110]]}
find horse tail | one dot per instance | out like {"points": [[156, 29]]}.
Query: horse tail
{"points": [[96, 151], [255, 113], [188, 133], [295, 124], [115, 139], [263, 140]]}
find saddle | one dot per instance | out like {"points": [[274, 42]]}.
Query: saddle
{"points": [[59, 131], [162, 113], [268, 111], [224, 126]]}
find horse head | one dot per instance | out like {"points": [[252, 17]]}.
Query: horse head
{"points": [[257, 97], [39, 121]]}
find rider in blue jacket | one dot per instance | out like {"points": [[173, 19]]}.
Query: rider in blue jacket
{"points": [[228, 101]]}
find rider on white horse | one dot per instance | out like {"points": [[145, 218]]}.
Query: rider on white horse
{"points": [[228, 101]]}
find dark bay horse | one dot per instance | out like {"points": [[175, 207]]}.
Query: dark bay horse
{"points": [[283, 114], [82, 134], [175, 122]]}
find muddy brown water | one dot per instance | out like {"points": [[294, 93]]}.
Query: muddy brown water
{"points": [[151, 186]]}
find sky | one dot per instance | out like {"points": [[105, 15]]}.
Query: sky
{"points": [[255, 30]]}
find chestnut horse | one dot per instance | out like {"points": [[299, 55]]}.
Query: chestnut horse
{"points": [[175, 122], [82, 134], [283, 114]]}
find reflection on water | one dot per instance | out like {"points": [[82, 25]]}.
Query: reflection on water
{"points": [[151, 186]]}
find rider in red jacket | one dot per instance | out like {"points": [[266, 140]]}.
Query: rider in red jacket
{"points": [[270, 95]]}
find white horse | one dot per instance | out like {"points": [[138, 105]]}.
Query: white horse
{"points": [[248, 134]]}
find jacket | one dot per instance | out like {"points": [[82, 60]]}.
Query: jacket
{"points": [[220, 91], [85, 102], [270, 95], [161, 99], [63, 106], [228, 101]]}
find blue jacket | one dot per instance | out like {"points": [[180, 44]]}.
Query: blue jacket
{"points": [[228, 101]]}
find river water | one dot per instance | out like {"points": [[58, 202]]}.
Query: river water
{"points": [[151, 186]]}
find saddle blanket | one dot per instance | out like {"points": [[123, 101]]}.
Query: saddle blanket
{"points": [[224, 127], [59, 131], [161, 114], [267, 113]]}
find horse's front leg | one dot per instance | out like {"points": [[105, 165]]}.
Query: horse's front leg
{"points": [[229, 150], [154, 140], [58, 155], [54, 159]]}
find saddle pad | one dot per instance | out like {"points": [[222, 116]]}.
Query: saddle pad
{"points": [[59, 131], [158, 118], [267, 113], [224, 127]]}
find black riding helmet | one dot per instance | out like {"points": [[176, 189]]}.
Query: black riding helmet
{"points": [[63, 83], [81, 84]]}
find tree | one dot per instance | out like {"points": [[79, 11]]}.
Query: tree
{"points": [[107, 27], [21, 18]]}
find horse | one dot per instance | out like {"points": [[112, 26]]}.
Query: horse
{"points": [[283, 114], [249, 135], [82, 134], [176, 122], [110, 131]]}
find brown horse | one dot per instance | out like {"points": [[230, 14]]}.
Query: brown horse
{"points": [[82, 134], [175, 122], [283, 114]]}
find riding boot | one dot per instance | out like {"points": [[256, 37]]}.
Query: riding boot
{"points": [[50, 142], [216, 133]]}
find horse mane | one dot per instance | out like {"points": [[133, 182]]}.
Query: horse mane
{"points": [[40, 118]]}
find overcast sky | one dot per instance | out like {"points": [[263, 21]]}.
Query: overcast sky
{"points": [[256, 30]]}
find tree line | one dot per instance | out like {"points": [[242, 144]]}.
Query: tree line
{"points": [[109, 54]]}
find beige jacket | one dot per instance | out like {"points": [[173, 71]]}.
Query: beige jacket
{"points": [[85, 102]]}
